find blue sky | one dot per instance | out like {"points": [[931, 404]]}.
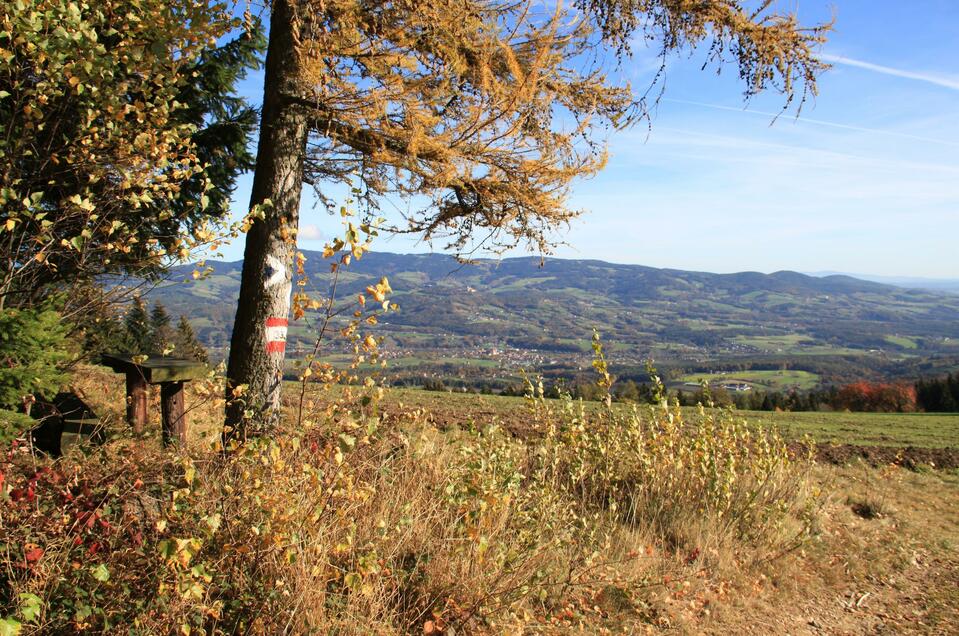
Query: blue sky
{"points": [[865, 181]]}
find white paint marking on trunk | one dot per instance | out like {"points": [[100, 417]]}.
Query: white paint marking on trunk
{"points": [[278, 270], [275, 334]]}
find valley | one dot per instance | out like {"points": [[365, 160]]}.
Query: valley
{"points": [[478, 324]]}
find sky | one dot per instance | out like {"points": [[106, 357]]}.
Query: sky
{"points": [[865, 181]]}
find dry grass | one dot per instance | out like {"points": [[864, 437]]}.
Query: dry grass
{"points": [[372, 525]]}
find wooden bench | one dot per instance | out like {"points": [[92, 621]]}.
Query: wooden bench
{"points": [[65, 413], [171, 374]]}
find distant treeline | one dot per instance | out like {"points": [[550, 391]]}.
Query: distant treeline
{"points": [[934, 395], [872, 397], [939, 395]]}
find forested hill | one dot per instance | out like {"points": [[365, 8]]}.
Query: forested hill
{"points": [[455, 311]]}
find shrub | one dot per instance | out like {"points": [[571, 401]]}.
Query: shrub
{"points": [[354, 522], [877, 397], [32, 351], [662, 470], [13, 424]]}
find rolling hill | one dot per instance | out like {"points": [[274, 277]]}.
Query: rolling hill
{"points": [[488, 319]]}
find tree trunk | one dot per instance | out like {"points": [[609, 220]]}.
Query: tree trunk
{"points": [[258, 344]]}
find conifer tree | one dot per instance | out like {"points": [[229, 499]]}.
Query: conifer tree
{"points": [[138, 331], [161, 334], [105, 333], [187, 344]]}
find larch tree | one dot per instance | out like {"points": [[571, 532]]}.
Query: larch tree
{"points": [[482, 111]]}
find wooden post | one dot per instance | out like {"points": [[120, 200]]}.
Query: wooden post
{"points": [[172, 405], [136, 401]]}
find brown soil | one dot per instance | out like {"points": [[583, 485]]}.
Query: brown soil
{"points": [[910, 457]]}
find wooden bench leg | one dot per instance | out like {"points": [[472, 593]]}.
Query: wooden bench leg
{"points": [[136, 401], [173, 407], [47, 437]]}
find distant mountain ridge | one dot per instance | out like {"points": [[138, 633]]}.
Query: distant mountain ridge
{"points": [[545, 314], [950, 285]]}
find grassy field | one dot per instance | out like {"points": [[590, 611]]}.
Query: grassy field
{"points": [[763, 379], [924, 430], [902, 341], [456, 409]]}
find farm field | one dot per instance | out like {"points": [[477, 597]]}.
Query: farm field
{"points": [[924, 430], [768, 379]]}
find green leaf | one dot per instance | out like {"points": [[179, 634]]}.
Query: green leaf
{"points": [[353, 580], [346, 442], [30, 606], [9, 627], [100, 573], [213, 521], [166, 549]]}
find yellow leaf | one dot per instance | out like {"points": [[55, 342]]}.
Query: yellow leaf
{"points": [[376, 293]]}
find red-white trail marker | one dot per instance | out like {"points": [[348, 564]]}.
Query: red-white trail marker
{"points": [[276, 334]]}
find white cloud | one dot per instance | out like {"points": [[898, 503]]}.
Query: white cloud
{"points": [[946, 81], [310, 233]]}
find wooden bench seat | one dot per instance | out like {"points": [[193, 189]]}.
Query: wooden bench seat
{"points": [[65, 413]]}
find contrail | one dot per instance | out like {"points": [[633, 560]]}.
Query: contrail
{"points": [[945, 81], [818, 122]]}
